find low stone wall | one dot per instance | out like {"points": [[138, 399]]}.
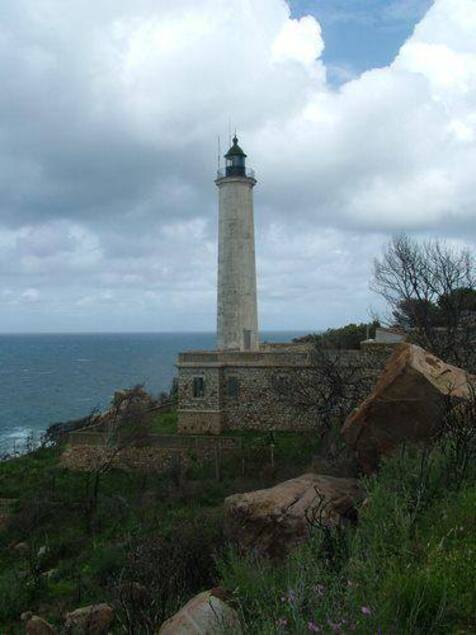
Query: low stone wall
{"points": [[200, 422], [158, 455], [87, 458]]}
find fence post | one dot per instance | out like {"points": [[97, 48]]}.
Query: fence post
{"points": [[272, 454], [243, 459]]}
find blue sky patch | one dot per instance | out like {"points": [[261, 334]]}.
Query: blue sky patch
{"points": [[361, 34]]}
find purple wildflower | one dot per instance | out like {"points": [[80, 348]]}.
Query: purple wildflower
{"points": [[365, 610], [314, 628]]}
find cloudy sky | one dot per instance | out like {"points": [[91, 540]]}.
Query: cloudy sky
{"points": [[359, 117]]}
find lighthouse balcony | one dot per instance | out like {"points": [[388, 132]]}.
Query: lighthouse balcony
{"points": [[235, 170]]}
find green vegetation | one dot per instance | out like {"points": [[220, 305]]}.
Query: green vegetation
{"points": [[164, 423], [161, 532], [407, 568], [87, 554], [343, 338], [152, 541]]}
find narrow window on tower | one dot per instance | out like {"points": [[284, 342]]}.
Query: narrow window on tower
{"points": [[233, 387], [198, 387]]}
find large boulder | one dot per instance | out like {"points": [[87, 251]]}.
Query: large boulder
{"points": [[38, 626], [206, 614], [408, 403], [89, 620], [272, 521]]}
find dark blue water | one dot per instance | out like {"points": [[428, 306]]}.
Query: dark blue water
{"points": [[50, 378]]}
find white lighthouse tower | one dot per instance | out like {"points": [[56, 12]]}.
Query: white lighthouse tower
{"points": [[237, 311]]}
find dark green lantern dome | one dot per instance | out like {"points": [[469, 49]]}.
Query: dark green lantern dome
{"points": [[235, 150], [235, 160]]}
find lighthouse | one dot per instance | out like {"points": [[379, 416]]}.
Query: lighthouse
{"points": [[237, 311], [216, 388]]}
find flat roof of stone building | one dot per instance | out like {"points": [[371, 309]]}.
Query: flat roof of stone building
{"points": [[243, 358]]}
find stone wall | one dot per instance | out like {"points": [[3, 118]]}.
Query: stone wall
{"points": [[211, 399], [181, 451], [256, 405], [87, 458], [200, 415]]}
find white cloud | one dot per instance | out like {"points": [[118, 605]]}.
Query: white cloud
{"points": [[300, 41], [109, 117]]}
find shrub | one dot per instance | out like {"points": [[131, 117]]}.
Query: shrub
{"points": [[408, 567], [16, 595], [106, 561], [161, 572]]}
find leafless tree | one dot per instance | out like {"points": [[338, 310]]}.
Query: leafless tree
{"points": [[327, 390], [319, 517], [430, 288], [457, 439], [124, 425]]}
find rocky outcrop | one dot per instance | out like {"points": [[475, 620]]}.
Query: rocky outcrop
{"points": [[408, 403], [272, 521], [89, 620], [206, 614], [38, 626]]}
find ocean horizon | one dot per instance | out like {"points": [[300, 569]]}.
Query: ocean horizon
{"points": [[46, 378]]}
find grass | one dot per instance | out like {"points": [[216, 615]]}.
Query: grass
{"points": [[164, 423]]}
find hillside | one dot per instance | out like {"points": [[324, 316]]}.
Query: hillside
{"points": [[145, 543]]}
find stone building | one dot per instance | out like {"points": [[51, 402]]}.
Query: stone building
{"points": [[234, 387]]}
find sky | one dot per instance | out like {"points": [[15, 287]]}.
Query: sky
{"points": [[359, 117]]}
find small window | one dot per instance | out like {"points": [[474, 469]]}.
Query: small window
{"points": [[246, 339], [233, 387], [198, 387]]}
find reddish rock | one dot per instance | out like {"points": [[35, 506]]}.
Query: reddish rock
{"points": [[272, 521], [407, 404], [38, 626], [89, 620], [206, 614]]}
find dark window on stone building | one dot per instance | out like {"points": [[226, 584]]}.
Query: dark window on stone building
{"points": [[198, 387], [233, 387]]}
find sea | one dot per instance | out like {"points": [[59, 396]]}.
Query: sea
{"points": [[52, 378]]}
